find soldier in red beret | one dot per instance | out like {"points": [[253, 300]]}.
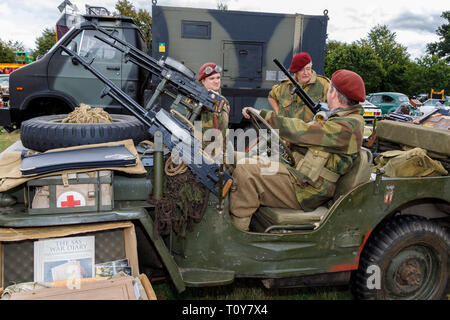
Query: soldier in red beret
{"points": [[323, 151], [316, 86], [209, 75]]}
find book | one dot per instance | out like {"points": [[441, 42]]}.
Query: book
{"points": [[110, 268], [66, 258]]}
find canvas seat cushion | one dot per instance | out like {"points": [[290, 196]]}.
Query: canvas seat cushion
{"points": [[281, 216]]}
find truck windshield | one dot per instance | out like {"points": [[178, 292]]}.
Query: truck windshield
{"points": [[86, 45]]}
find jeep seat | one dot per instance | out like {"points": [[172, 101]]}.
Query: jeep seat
{"points": [[280, 218]]}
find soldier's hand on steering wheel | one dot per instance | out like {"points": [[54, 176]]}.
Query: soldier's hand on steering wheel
{"points": [[245, 112]]}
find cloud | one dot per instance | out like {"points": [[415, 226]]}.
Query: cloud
{"points": [[418, 22], [349, 21]]}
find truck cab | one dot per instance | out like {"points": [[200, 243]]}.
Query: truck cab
{"points": [[54, 85]]}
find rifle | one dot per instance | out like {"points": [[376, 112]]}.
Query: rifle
{"points": [[181, 79], [314, 107], [176, 135]]}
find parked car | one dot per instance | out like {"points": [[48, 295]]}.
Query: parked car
{"points": [[371, 111], [432, 102], [422, 97], [4, 89], [389, 101], [4, 78]]}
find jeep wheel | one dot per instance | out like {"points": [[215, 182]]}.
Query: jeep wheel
{"points": [[48, 132], [412, 254]]}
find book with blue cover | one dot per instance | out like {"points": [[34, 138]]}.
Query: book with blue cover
{"points": [[95, 157]]}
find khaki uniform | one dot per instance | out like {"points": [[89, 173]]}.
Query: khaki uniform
{"points": [[292, 106], [323, 151]]}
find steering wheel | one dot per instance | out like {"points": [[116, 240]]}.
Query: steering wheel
{"points": [[259, 123]]}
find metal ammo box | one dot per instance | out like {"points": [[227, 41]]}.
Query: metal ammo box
{"points": [[69, 193]]}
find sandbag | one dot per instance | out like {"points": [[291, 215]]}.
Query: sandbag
{"points": [[411, 163]]}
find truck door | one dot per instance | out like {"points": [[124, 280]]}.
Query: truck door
{"points": [[242, 60], [242, 68], [132, 75], [82, 85]]}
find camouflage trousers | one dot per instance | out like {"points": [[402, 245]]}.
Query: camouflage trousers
{"points": [[260, 182]]}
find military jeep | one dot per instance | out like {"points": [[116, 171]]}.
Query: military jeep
{"points": [[399, 226], [386, 236]]}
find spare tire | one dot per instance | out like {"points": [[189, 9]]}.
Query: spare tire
{"points": [[48, 132]]}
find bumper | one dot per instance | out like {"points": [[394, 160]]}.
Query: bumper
{"points": [[5, 117]]}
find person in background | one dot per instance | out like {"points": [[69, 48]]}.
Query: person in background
{"points": [[316, 86]]}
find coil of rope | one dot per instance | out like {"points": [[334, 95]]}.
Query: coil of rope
{"points": [[86, 114]]}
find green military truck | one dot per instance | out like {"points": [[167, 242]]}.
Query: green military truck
{"points": [[388, 237], [243, 43], [53, 85]]}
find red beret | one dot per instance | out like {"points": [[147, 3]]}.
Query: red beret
{"points": [[350, 84], [299, 61], [202, 74]]}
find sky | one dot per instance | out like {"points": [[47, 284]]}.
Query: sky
{"points": [[414, 22]]}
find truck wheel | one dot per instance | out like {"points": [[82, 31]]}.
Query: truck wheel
{"points": [[48, 132], [410, 255]]}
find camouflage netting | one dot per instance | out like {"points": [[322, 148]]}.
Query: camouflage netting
{"points": [[86, 114], [183, 204]]}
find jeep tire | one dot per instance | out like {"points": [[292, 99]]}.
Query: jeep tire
{"points": [[412, 254], [48, 132]]}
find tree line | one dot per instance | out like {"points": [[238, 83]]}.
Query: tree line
{"points": [[384, 63]]}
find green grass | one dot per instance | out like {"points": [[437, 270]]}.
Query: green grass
{"points": [[7, 139], [250, 289]]}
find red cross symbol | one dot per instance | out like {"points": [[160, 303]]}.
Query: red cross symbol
{"points": [[70, 202]]}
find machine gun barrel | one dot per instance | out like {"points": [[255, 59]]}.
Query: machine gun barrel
{"points": [[175, 134], [314, 107], [111, 90], [182, 83]]}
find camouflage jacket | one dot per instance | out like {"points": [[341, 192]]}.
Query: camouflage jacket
{"points": [[341, 135], [292, 106]]}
